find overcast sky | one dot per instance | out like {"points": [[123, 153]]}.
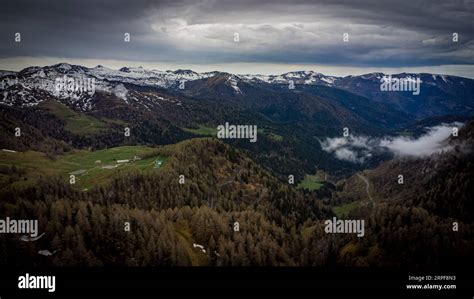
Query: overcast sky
{"points": [[274, 36]]}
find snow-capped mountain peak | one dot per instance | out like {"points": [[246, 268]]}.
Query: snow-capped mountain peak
{"points": [[298, 77], [78, 84]]}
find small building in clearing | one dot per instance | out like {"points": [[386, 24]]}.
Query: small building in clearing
{"points": [[109, 166], [78, 172], [158, 163]]}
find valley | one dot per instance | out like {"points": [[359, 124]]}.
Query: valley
{"points": [[141, 150]]}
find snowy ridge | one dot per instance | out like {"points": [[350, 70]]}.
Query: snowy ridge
{"points": [[301, 77], [33, 85], [144, 77], [233, 81]]}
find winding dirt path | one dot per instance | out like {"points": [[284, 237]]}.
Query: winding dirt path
{"points": [[367, 184]]}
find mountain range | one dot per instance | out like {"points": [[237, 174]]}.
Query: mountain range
{"points": [[293, 110], [451, 94], [67, 160]]}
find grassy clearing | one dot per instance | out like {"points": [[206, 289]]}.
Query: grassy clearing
{"points": [[197, 258], [311, 182], [79, 124], [203, 130], [343, 211], [275, 137], [97, 167]]}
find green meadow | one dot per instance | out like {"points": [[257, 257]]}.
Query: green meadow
{"points": [[89, 168], [311, 182], [203, 130], [343, 210]]}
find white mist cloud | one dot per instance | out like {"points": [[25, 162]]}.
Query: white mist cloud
{"points": [[352, 148], [434, 141], [348, 155], [357, 148]]}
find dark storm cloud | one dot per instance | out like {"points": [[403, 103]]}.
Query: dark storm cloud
{"points": [[381, 33]]}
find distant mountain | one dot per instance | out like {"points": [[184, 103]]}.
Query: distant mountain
{"points": [[293, 110], [30, 86], [300, 77], [152, 90], [439, 94]]}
